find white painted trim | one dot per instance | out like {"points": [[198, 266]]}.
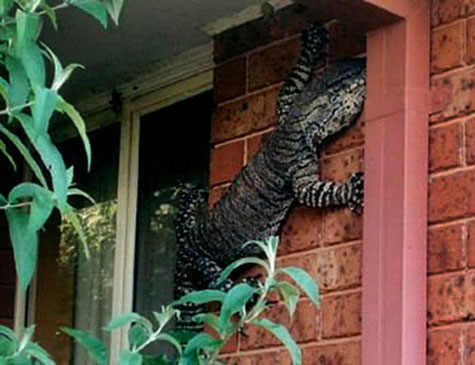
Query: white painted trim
{"points": [[250, 13], [159, 76]]}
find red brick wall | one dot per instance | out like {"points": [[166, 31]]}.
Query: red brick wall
{"points": [[451, 239], [252, 61]]}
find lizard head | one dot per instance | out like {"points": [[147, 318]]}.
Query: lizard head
{"points": [[332, 102]]}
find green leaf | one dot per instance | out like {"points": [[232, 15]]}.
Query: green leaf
{"points": [[94, 8], [19, 87], [304, 281], [202, 297], [171, 340], [123, 320], [5, 6], [28, 30], [51, 158], [28, 26], [72, 113], [7, 347], [60, 75], [25, 245], [79, 192], [25, 340], [234, 301], [209, 318], [94, 347], [42, 203], [114, 8], [50, 13], [3, 148], [42, 109], [8, 333], [284, 336], [39, 353], [138, 334], [201, 341], [244, 261], [24, 224], [165, 315], [129, 358], [4, 87], [290, 294], [26, 155]]}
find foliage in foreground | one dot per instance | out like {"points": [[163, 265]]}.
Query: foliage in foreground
{"points": [[244, 305], [29, 99]]}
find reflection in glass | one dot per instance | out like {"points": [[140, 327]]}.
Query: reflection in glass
{"points": [[93, 274]]}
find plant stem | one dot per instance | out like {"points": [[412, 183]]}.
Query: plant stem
{"points": [[13, 206]]}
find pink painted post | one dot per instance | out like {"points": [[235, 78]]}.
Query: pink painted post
{"points": [[396, 152]]}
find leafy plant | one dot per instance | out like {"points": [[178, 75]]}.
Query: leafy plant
{"points": [[28, 102], [21, 351], [248, 302]]}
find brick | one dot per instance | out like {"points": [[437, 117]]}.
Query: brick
{"points": [[272, 65], [302, 230], [255, 143], [345, 41], [226, 162], [469, 7], [303, 327], [453, 95], [446, 299], [471, 245], [452, 196], [469, 349], [267, 358], [6, 304], [349, 138], [336, 268], [7, 269], [445, 147], [340, 167], [215, 195], [283, 24], [343, 353], [470, 294], [447, 47], [471, 40], [445, 11], [341, 225], [341, 315], [445, 249], [445, 347], [470, 141], [242, 117], [230, 79]]}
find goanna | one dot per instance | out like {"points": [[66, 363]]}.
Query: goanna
{"points": [[284, 170]]}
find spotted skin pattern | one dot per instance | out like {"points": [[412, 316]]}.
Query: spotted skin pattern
{"points": [[283, 171]]}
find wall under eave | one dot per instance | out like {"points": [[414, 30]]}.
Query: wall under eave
{"points": [[451, 239], [252, 61]]}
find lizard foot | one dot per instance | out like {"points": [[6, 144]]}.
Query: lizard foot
{"points": [[356, 192]]}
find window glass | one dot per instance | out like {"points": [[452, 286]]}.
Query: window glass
{"points": [[174, 150]]}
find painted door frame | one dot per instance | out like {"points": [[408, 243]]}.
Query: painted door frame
{"points": [[396, 172]]}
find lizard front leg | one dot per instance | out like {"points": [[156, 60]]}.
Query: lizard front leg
{"points": [[311, 191]]}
